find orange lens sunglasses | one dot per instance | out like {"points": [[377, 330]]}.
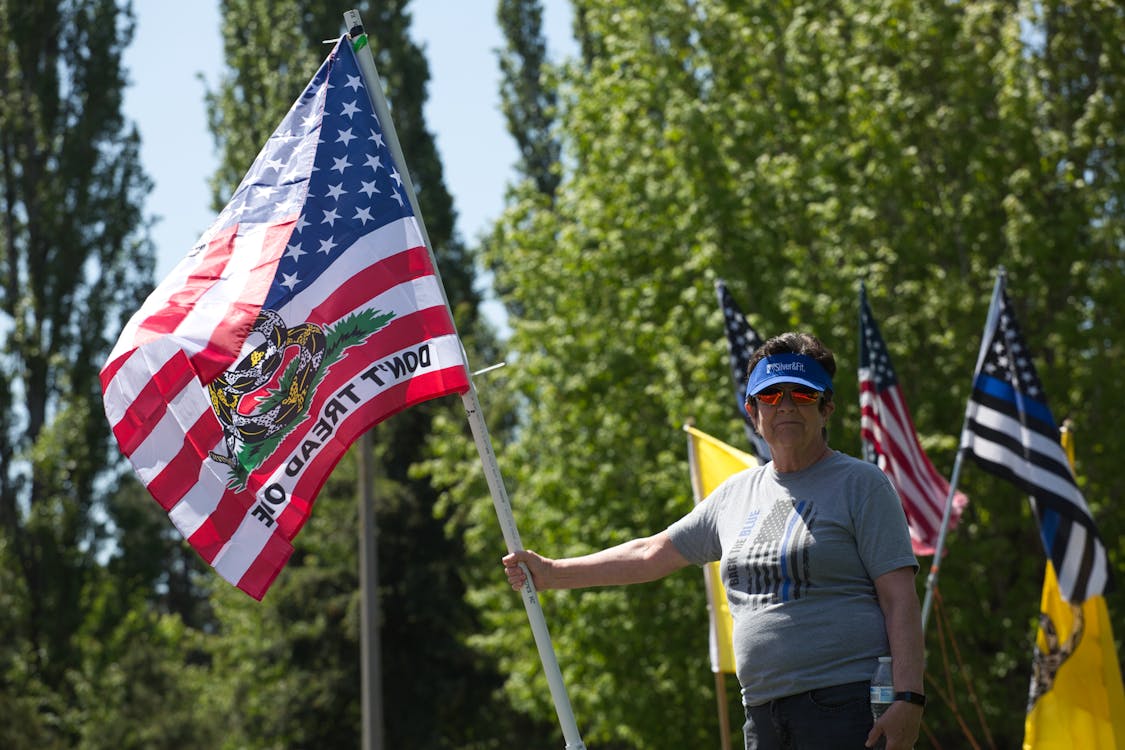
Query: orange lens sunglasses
{"points": [[800, 396]]}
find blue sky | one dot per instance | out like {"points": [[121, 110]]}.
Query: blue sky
{"points": [[177, 42]]}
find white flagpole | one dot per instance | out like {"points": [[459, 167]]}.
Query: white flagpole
{"points": [[935, 565], [354, 24]]}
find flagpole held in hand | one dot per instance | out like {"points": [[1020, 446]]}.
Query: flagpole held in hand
{"points": [[354, 24]]}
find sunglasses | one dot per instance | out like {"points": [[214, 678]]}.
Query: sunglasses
{"points": [[800, 396]]}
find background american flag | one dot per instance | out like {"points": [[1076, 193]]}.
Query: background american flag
{"points": [[890, 440]]}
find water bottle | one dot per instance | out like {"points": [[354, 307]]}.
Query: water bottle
{"points": [[882, 692]]}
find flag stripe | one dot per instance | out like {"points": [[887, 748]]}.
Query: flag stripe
{"points": [[249, 539], [925, 517], [230, 307], [162, 444], [265, 567], [148, 406], [1081, 552], [174, 310], [1029, 461], [1035, 415], [178, 476], [365, 256], [220, 525], [379, 279], [205, 493], [1046, 487], [1043, 437]]}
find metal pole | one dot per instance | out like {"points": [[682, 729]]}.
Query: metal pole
{"points": [[370, 643], [354, 24], [935, 564]]}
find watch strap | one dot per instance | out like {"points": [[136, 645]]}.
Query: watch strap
{"points": [[918, 699]]}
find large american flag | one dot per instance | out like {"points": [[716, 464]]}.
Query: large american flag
{"points": [[1009, 431], [890, 440], [308, 312], [742, 340]]}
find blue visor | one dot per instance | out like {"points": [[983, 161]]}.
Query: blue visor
{"points": [[787, 368]]}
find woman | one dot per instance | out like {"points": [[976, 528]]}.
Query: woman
{"points": [[817, 564]]}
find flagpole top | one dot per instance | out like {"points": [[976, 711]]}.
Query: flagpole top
{"points": [[354, 23]]}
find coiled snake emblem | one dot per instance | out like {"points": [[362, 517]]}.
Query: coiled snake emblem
{"points": [[1047, 663], [255, 371]]}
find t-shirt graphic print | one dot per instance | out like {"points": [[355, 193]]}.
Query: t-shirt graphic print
{"points": [[769, 561]]}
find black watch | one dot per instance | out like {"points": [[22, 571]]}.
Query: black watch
{"points": [[918, 699]]}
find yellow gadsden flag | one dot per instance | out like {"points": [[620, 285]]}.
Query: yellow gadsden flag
{"points": [[712, 461], [1076, 699]]}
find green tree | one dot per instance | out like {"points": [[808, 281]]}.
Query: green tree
{"points": [[74, 260], [527, 93], [795, 149]]}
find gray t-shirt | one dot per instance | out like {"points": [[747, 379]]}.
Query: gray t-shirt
{"points": [[799, 554]]}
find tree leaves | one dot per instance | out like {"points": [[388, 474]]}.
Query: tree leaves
{"points": [[794, 149]]}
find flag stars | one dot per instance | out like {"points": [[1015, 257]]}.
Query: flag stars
{"points": [[294, 251], [345, 136], [320, 171]]}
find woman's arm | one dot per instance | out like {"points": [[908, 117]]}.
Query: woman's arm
{"points": [[899, 601], [635, 561]]}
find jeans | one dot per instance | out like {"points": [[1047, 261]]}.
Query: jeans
{"points": [[831, 718]]}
